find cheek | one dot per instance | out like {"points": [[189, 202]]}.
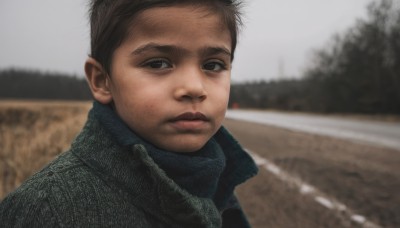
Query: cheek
{"points": [[221, 102], [146, 105], [141, 115], [223, 93]]}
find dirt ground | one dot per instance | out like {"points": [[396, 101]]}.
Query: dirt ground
{"points": [[363, 177]]}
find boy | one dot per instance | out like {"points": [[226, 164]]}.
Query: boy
{"points": [[153, 152]]}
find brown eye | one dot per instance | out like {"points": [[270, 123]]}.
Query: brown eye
{"points": [[158, 64], [214, 66]]}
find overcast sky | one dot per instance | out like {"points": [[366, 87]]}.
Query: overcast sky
{"points": [[277, 40]]}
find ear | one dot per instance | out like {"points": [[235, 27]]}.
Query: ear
{"points": [[99, 81]]}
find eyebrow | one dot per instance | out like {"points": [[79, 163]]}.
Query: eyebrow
{"points": [[175, 49], [157, 47], [216, 50]]}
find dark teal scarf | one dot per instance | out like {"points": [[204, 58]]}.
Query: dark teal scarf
{"points": [[212, 172]]}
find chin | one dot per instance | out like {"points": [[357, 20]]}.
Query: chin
{"points": [[186, 147], [183, 143]]}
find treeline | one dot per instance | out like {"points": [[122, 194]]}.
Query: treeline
{"points": [[28, 84], [358, 73], [284, 95]]}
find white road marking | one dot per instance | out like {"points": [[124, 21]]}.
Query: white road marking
{"points": [[359, 219], [273, 168], [324, 202], [311, 191], [306, 189], [259, 160]]}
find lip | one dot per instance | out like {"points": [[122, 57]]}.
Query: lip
{"points": [[191, 116], [190, 121]]}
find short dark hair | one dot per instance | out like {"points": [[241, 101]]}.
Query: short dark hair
{"points": [[110, 21]]}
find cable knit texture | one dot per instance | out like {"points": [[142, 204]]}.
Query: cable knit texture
{"points": [[105, 180]]}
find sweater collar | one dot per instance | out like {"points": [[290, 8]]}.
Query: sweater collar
{"points": [[212, 172]]}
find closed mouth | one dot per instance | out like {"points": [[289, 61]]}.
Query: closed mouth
{"points": [[191, 116]]}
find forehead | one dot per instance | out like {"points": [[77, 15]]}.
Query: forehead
{"points": [[179, 21]]}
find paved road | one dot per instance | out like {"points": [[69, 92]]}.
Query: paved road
{"points": [[373, 132]]}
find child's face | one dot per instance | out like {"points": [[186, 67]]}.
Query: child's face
{"points": [[170, 78]]}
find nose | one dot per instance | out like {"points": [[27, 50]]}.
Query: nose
{"points": [[190, 86]]}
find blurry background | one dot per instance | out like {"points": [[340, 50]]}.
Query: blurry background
{"points": [[315, 98], [277, 40]]}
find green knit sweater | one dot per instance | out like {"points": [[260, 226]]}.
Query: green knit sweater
{"points": [[99, 183]]}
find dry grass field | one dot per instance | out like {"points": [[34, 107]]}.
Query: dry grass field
{"points": [[365, 178], [32, 133]]}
